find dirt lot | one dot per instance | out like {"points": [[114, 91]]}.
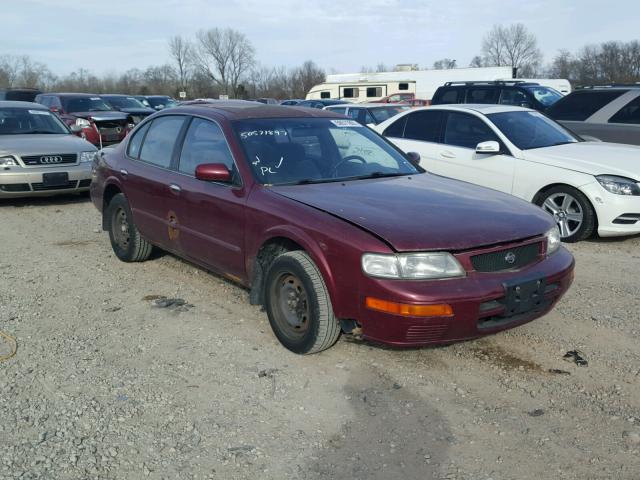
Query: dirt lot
{"points": [[106, 386]]}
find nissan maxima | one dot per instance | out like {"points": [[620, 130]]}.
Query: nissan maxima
{"points": [[330, 226], [39, 154]]}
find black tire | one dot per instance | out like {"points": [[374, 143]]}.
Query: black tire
{"points": [[126, 241], [295, 292], [570, 230]]}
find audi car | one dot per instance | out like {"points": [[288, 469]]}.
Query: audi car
{"points": [[39, 154], [330, 226]]}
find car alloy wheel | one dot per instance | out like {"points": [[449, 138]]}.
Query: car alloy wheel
{"points": [[566, 211]]}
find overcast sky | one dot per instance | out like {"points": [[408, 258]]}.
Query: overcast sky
{"points": [[114, 35]]}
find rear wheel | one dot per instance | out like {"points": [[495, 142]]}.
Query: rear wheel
{"points": [[126, 241], [571, 210], [298, 304]]}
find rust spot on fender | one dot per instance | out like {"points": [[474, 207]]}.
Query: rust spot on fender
{"points": [[172, 220]]}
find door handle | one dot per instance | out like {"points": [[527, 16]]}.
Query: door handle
{"points": [[175, 188], [447, 154], [123, 172]]}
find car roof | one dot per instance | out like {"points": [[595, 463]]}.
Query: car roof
{"points": [[484, 108], [236, 110], [116, 95], [365, 105], [155, 96], [16, 104], [68, 94]]}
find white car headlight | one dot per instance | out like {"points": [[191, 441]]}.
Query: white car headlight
{"points": [[8, 162], [412, 266], [619, 185], [553, 240], [83, 123], [87, 156]]}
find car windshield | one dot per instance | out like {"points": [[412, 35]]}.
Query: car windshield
{"points": [[143, 101], [124, 102], [528, 130], [545, 95], [383, 113], [86, 104], [316, 150], [19, 121], [162, 102]]}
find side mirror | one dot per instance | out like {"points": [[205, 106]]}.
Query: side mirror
{"points": [[75, 128], [213, 172], [414, 158], [491, 148]]}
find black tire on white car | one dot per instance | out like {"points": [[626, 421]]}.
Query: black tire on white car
{"points": [[572, 211]]}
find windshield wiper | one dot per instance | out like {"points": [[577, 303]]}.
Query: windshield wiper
{"points": [[378, 175]]}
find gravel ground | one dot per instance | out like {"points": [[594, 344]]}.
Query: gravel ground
{"points": [[106, 386]]}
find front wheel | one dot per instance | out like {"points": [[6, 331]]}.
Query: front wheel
{"points": [[298, 304], [126, 241], [571, 210]]}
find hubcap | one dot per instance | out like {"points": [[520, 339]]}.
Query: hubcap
{"points": [[292, 306], [120, 227], [567, 212]]}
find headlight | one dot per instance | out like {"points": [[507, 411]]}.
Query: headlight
{"points": [[8, 162], [87, 156], [412, 266], [619, 185], [553, 240], [83, 123]]}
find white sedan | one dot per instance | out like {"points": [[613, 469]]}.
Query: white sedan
{"points": [[586, 186]]}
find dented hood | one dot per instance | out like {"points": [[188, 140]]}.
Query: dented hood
{"points": [[425, 212]]}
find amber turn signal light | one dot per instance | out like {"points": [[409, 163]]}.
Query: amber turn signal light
{"points": [[438, 310]]}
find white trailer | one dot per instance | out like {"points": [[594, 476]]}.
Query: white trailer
{"points": [[367, 87]]}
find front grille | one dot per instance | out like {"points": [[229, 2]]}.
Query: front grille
{"points": [[84, 183], [426, 333], [507, 259], [46, 159], [15, 187], [37, 187]]}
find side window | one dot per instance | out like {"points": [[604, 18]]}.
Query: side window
{"points": [[46, 101], [133, 149], [424, 126], [55, 102], [395, 98], [449, 96], [403, 86], [350, 92], [368, 118], [580, 105], [513, 96], [325, 94], [161, 139], [482, 95], [630, 113], [340, 110], [204, 143], [463, 130], [396, 129], [374, 92]]}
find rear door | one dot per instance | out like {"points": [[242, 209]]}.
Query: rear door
{"points": [[147, 177], [457, 158], [420, 132], [210, 215], [620, 124]]}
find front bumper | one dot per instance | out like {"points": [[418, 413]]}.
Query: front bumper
{"points": [[612, 210], [476, 301], [18, 182]]}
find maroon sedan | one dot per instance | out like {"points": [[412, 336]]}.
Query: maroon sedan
{"points": [[330, 226]]}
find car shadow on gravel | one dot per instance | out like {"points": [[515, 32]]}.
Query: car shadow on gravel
{"points": [[620, 239], [391, 434], [68, 199]]}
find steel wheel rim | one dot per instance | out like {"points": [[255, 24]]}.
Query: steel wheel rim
{"points": [[120, 228], [291, 305], [566, 211]]}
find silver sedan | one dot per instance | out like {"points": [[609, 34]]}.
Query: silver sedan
{"points": [[39, 154]]}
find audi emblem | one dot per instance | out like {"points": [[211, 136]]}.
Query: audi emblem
{"points": [[51, 159], [510, 258]]}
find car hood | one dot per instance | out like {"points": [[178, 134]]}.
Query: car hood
{"points": [[138, 111], [101, 116], [593, 158], [34, 144], [425, 212]]}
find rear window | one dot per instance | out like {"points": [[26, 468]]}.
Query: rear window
{"points": [[482, 95], [579, 106], [446, 96], [630, 113]]}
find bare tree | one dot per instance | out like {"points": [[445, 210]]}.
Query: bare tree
{"points": [[444, 64], [476, 62], [224, 56], [305, 77], [514, 46], [181, 53]]}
